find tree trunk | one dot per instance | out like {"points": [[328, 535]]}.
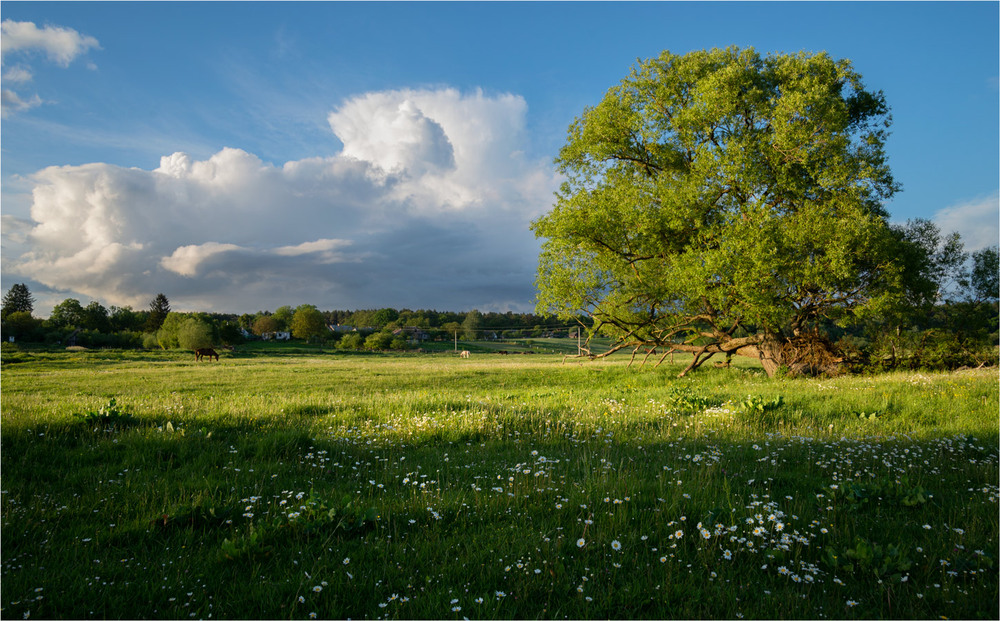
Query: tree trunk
{"points": [[808, 353]]}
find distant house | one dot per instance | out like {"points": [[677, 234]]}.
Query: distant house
{"points": [[276, 336], [412, 334], [340, 328]]}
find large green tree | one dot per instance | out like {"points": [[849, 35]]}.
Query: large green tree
{"points": [[67, 314], [725, 202], [307, 322]]}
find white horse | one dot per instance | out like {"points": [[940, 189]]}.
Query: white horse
{"points": [[464, 354]]}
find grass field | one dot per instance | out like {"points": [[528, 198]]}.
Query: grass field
{"points": [[298, 483]]}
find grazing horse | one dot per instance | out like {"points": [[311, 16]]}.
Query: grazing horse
{"points": [[201, 353], [464, 354]]}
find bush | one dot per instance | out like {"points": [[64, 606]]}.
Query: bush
{"points": [[379, 340], [194, 334], [149, 341], [352, 340]]}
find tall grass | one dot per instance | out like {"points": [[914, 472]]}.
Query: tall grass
{"points": [[408, 486]]}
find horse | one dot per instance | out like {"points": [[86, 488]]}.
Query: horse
{"points": [[207, 351]]}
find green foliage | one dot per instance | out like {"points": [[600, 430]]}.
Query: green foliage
{"points": [[110, 417], [67, 314], [684, 400], [265, 324], [18, 299], [984, 280], [186, 331], [472, 325], [307, 322], [379, 340], [755, 404], [194, 333], [870, 559], [283, 315], [724, 191], [159, 308], [891, 493]]}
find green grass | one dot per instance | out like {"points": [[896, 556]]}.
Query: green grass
{"points": [[285, 481]]}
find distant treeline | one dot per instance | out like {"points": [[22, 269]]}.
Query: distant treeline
{"points": [[948, 335], [95, 325]]}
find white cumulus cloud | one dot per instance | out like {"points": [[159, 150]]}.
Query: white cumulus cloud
{"points": [[427, 206], [25, 39], [60, 45], [977, 221]]}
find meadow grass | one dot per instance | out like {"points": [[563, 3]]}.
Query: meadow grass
{"points": [[298, 483]]}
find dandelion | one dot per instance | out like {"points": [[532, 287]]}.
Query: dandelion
{"points": [[580, 542], [616, 545]]}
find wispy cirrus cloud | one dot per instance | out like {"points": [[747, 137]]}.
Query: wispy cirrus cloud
{"points": [[427, 206]]}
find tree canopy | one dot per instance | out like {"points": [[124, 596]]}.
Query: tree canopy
{"points": [[725, 202], [159, 308], [18, 299]]}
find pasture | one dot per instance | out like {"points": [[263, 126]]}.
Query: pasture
{"points": [[298, 484]]}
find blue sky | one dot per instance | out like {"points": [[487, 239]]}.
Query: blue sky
{"points": [[242, 156]]}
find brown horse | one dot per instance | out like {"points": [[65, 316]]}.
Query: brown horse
{"points": [[201, 353]]}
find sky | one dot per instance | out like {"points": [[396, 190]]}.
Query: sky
{"points": [[241, 156]]}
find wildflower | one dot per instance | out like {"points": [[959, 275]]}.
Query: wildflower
{"points": [[616, 545], [580, 542], [479, 600], [851, 603], [783, 570], [663, 559], [927, 526], [317, 589], [678, 534], [312, 615], [726, 554], [347, 560]]}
